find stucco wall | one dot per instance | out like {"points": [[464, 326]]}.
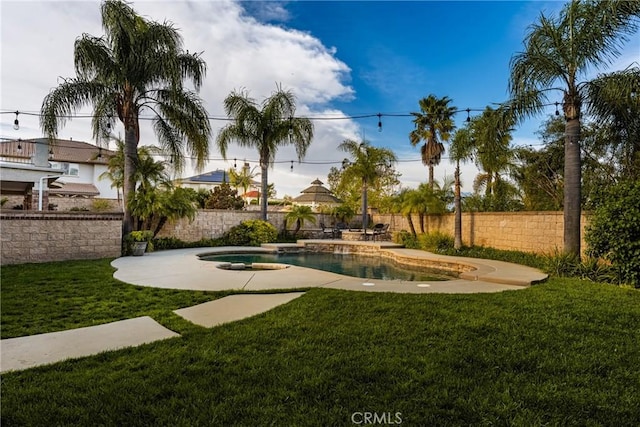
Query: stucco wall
{"points": [[57, 236]]}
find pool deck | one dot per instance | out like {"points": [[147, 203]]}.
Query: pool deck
{"points": [[182, 269]]}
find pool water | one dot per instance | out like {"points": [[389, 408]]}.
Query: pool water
{"points": [[365, 267]]}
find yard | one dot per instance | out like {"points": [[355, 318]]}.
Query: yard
{"points": [[565, 352]]}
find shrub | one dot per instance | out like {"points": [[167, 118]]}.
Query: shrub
{"points": [[562, 264], [435, 241], [614, 230], [100, 205], [251, 233], [407, 239]]}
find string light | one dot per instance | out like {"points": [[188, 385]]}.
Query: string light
{"points": [[468, 110], [379, 122], [557, 112], [16, 123], [291, 165]]}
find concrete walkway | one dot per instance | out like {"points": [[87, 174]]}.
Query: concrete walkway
{"points": [[182, 269]]}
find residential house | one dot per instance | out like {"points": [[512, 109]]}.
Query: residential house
{"points": [[70, 169]]}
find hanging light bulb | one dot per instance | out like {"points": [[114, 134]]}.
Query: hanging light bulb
{"points": [[468, 116], [16, 123], [291, 165], [50, 153], [557, 112], [234, 164], [19, 146], [379, 122]]}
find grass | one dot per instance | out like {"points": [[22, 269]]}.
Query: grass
{"points": [[49, 297], [565, 352]]}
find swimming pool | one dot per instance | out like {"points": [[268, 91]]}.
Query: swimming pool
{"points": [[365, 267]]}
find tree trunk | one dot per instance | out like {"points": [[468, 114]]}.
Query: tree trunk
{"points": [[411, 226], [431, 176], [130, 164], [364, 205], [572, 187], [457, 240], [263, 189]]}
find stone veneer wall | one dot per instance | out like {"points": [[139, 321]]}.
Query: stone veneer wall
{"points": [[29, 236], [539, 232]]}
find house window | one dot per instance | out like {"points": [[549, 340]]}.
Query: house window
{"points": [[70, 169]]}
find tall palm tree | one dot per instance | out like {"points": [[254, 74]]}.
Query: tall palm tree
{"points": [[557, 52], [461, 150], [137, 67], [434, 125], [265, 127], [367, 163]]}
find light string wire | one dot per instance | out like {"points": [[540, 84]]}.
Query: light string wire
{"points": [[379, 116]]}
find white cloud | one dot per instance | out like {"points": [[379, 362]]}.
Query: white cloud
{"points": [[240, 52]]}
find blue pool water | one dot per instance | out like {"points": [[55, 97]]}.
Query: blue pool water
{"points": [[366, 267]]}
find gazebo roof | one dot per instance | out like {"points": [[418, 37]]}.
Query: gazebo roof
{"points": [[317, 193]]}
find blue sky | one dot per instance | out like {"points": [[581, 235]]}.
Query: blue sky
{"points": [[341, 59]]}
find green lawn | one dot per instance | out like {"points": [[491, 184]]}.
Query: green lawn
{"points": [[566, 352]]}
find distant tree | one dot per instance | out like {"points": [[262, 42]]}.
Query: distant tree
{"points": [[433, 125], [224, 197]]}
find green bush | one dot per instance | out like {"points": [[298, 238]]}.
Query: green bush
{"points": [[435, 242], [100, 205], [613, 233], [251, 233], [406, 239], [561, 264], [165, 243], [137, 236]]}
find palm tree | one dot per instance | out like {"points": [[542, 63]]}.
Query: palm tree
{"points": [[615, 101], [461, 150], [368, 164], [138, 66], [433, 126], [299, 214], [265, 127], [556, 52], [243, 179], [491, 132]]}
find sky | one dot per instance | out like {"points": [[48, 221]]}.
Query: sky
{"points": [[341, 60]]}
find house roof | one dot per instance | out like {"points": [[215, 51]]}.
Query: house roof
{"points": [[73, 188], [64, 150], [217, 176], [317, 193]]}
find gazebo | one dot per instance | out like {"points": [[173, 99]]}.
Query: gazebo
{"points": [[317, 195]]}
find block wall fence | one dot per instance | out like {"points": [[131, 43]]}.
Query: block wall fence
{"points": [[29, 236]]}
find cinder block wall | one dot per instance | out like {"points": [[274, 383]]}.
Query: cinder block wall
{"points": [[58, 236], [539, 232], [211, 223]]}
